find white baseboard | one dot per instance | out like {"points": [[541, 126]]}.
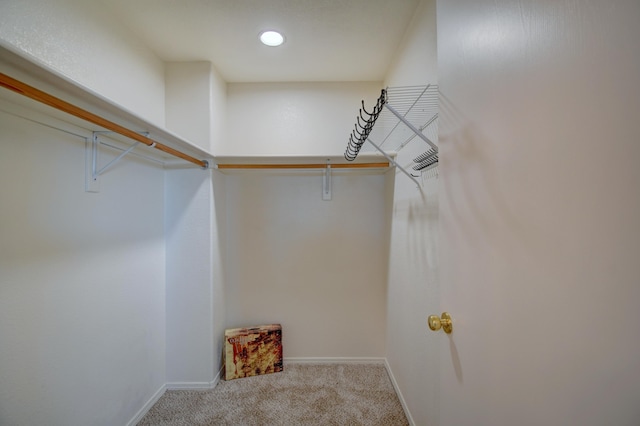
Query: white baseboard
{"points": [[334, 360], [146, 407], [190, 385], [195, 385], [405, 407]]}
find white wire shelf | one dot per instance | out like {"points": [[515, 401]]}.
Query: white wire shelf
{"points": [[419, 106]]}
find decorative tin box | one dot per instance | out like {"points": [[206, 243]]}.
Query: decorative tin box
{"points": [[252, 351]]}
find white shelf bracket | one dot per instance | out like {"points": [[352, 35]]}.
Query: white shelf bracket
{"points": [[392, 161], [326, 183], [92, 173]]}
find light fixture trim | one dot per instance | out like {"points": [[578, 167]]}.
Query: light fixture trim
{"points": [[271, 38]]}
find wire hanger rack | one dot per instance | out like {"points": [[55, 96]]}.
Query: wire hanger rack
{"points": [[401, 115], [363, 128]]}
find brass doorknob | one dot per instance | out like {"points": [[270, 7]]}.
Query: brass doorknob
{"points": [[444, 322]]}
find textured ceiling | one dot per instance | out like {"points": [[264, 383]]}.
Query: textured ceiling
{"points": [[326, 40]]}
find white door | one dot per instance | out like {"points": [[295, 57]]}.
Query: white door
{"points": [[540, 212]]}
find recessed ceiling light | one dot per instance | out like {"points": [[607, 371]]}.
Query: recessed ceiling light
{"points": [[271, 38]]}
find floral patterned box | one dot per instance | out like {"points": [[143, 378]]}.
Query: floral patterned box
{"points": [[252, 351]]}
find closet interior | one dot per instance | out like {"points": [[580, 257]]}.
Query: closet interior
{"points": [[317, 243]]}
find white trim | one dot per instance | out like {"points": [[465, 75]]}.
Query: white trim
{"points": [[334, 360], [405, 407], [190, 385], [216, 379], [195, 385], [146, 407]]}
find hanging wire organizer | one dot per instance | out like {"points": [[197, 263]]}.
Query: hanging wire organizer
{"points": [[363, 128], [399, 116]]}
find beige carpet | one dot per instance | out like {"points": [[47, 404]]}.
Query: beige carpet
{"points": [[303, 394]]}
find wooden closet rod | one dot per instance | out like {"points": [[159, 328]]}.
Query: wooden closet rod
{"points": [[47, 99], [302, 166]]}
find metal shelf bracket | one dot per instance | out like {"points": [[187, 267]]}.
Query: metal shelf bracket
{"points": [[326, 182], [92, 173]]}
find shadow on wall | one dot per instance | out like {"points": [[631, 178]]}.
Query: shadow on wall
{"points": [[455, 359], [476, 180], [421, 226]]}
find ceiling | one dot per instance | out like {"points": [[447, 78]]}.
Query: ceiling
{"points": [[326, 40]]}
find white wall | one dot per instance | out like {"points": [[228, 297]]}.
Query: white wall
{"points": [[196, 103], [317, 267], [83, 42], [82, 282], [539, 208], [195, 237], [82, 275], [416, 61], [413, 294], [219, 260], [88, 46], [188, 101], [293, 118], [193, 350], [218, 118]]}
